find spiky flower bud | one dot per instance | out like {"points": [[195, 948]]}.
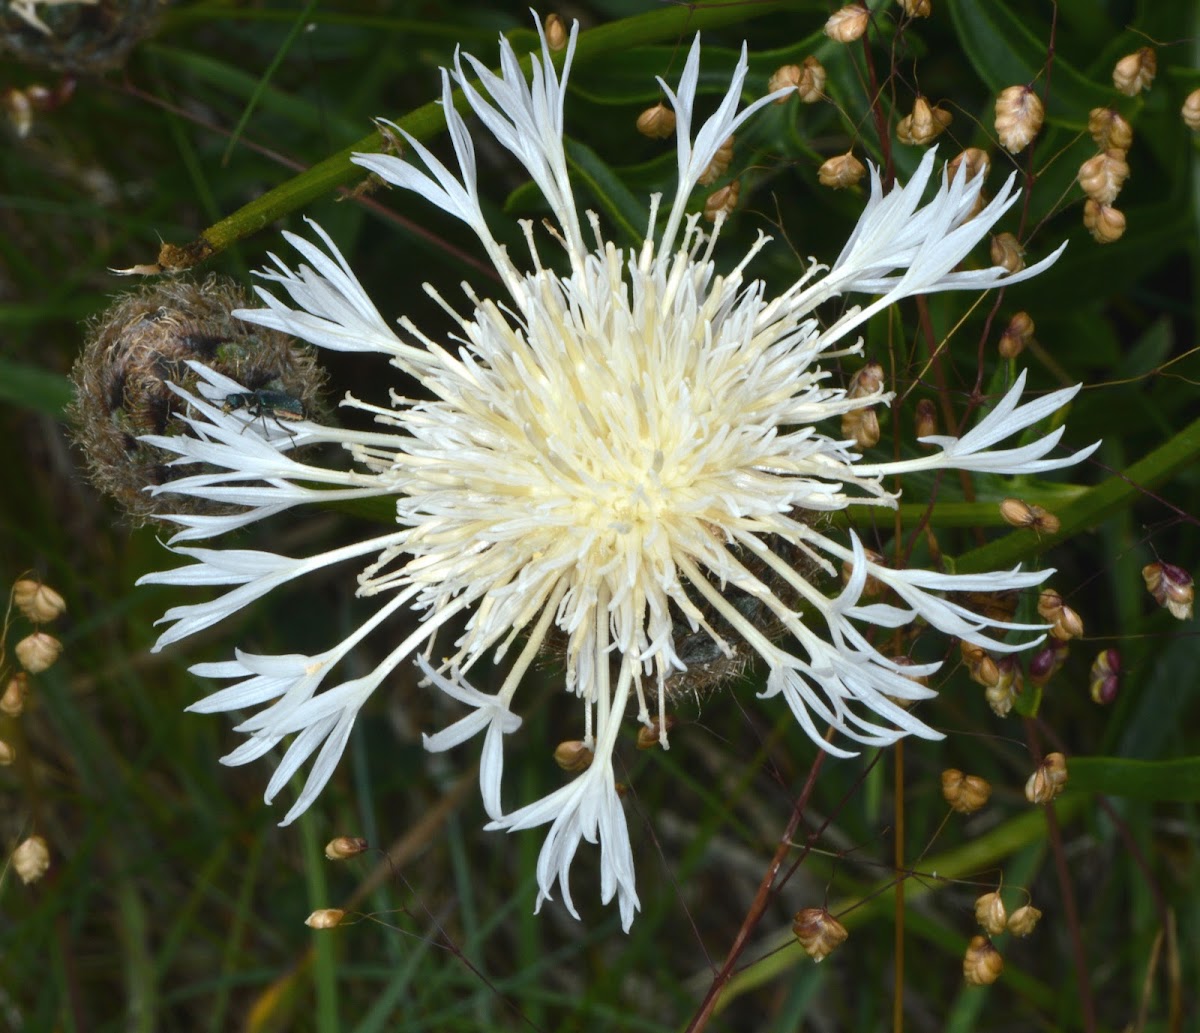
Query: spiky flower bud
{"points": [[1104, 222], [12, 702], [1019, 117], [325, 918], [654, 734], [1135, 72], [1103, 175], [1110, 129], [38, 602], [847, 24], [818, 932], [573, 755], [7, 754], [841, 171], [556, 32], [1171, 587], [1007, 252], [657, 122], [719, 165], [31, 859], [342, 847], [924, 125], [38, 652], [1016, 336], [1024, 920], [142, 343], [1048, 780], [917, 8], [991, 914], [925, 419], [722, 202], [982, 964], [1104, 677], [1191, 110], [964, 793]]}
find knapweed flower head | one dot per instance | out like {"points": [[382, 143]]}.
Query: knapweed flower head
{"points": [[605, 455]]}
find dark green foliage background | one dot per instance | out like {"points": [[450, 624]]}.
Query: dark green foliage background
{"points": [[175, 903]]}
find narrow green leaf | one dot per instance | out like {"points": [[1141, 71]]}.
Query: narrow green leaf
{"points": [[1140, 779]]}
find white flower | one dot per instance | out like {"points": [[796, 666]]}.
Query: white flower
{"points": [[611, 450]]}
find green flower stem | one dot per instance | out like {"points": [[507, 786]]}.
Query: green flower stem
{"points": [[427, 121]]}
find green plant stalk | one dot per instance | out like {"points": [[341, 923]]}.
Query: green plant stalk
{"points": [[428, 120]]}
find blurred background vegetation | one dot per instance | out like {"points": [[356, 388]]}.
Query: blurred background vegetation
{"points": [[174, 902]]}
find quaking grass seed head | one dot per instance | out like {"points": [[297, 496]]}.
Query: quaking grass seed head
{"points": [[143, 343]]}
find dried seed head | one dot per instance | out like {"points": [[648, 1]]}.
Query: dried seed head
{"points": [[926, 419], [345, 846], [657, 122], [1009, 686], [722, 202], [1016, 336], [7, 754], [719, 165], [842, 171], [982, 668], [12, 702], [1171, 587], [1110, 129], [866, 382], [142, 343], [1104, 222], [924, 125], [1048, 779], [847, 24], [1103, 176], [971, 163], [31, 859], [964, 793], [862, 427], [1007, 252], [1019, 116], [38, 652], [573, 755], [917, 8], [982, 963], [991, 914], [818, 932], [40, 603], [1019, 513], [1191, 110], [1104, 677], [1047, 661], [783, 77], [325, 918], [811, 86], [872, 586], [654, 734], [1135, 72], [1065, 623], [1024, 920], [556, 32]]}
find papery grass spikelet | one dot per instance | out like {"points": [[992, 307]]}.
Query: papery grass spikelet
{"points": [[1017, 335], [1104, 678], [1190, 112], [991, 914], [141, 345], [964, 793], [38, 652], [1171, 587], [841, 171], [1110, 129], [31, 859], [342, 847], [1024, 920], [7, 754], [848, 23], [325, 918], [818, 932], [1135, 72], [630, 452], [1103, 175], [1007, 252], [38, 602], [16, 689], [1019, 117], [658, 122], [982, 964], [1048, 779]]}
